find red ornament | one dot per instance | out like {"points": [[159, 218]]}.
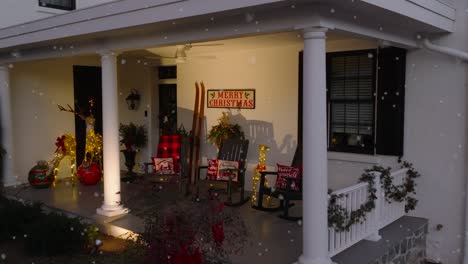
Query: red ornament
{"points": [[39, 176], [90, 174]]}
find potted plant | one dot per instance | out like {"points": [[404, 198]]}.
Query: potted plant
{"points": [[224, 130], [133, 138]]}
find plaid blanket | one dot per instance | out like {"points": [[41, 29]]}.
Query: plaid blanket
{"points": [[170, 147]]}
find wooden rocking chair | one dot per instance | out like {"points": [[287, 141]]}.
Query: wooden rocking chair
{"points": [[231, 150], [175, 147], [285, 195]]}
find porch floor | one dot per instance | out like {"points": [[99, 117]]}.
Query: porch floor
{"points": [[273, 240]]}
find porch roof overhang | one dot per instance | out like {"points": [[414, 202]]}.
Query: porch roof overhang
{"points": [[139, 24]]}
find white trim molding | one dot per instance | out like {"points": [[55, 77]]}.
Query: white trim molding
{"points": [[360, 158], [436, 7], [49, 10]]}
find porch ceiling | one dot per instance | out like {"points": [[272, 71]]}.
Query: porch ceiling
{"points": [[245, 43], [243, 19]]}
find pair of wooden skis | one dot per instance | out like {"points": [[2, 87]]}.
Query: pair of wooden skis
{"points": [[195, 133]]}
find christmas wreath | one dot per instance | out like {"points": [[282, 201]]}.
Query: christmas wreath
{"points": [[224, 130]]}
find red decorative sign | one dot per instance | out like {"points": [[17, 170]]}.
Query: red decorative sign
{"points": [[243, 98]]}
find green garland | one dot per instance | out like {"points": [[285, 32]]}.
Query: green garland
{"points": [[402, 192], [341, 220]]}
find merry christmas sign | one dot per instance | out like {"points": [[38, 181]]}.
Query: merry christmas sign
{"points": [[224, 98]]}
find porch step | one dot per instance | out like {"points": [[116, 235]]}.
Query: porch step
{"points": [[403, 241], [123, 226]]}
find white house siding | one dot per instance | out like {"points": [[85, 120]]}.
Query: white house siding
{"points": [[14, 12], [435, 138]]}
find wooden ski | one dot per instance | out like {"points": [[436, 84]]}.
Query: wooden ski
{"points": [[201, 115], [192, 175]]}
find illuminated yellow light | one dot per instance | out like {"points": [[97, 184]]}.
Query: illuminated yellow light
{"points": [[69, 150], [93, 144], [261, 166]]}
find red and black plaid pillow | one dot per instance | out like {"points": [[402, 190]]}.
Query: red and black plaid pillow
{"points": [[170, 147]]}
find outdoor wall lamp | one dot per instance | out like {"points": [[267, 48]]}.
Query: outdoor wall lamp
{"points": [[133, 100]]}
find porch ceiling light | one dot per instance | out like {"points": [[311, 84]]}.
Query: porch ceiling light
{"points": [[133, 100]]}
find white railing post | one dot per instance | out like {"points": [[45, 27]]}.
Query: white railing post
{"points": [[376, 212]]}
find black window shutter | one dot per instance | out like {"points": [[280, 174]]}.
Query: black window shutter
{"points": [[390, 101]]}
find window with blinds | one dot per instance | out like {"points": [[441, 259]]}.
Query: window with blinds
{"points": [[351, 87], [59, 4]]}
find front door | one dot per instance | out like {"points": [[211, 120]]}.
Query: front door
{"points": [[168, 108], [87, 86]]}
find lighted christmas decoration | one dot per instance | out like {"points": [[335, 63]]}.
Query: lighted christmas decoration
{"points": [[93, 144], [93, 140], [261, 166], [66, 147]]}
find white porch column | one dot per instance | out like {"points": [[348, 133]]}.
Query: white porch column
{"points": [[315, 197], [6, 127], [111, 151]]}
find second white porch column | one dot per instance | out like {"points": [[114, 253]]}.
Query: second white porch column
{"points": [[110, 126], [6, 127], [315, 197]]}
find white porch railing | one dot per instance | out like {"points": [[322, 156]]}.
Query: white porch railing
{"points": [[384, 214]]}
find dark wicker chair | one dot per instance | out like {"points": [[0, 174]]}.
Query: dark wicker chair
{"points": [[287, 195], [233, 150]]}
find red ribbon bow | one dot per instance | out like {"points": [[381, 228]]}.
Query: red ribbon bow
{"points": [[60, 143]]}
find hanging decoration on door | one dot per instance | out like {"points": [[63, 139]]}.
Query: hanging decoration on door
{"points": [[228, 98]]}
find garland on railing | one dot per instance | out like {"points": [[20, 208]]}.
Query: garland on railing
{"points": [[341, 220], [402, 192], [338, 217]]}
